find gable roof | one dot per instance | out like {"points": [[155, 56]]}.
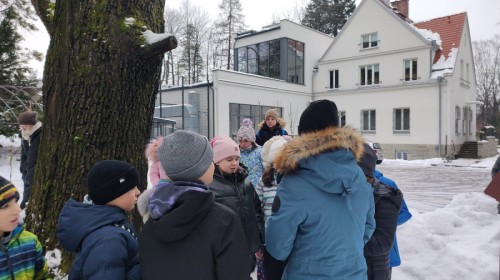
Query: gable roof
{"points": [[450, 30]]}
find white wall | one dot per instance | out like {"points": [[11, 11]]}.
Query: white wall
{"points": [[241, 88]]}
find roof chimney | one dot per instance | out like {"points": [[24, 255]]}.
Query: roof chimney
{"points": [[402, 6]]}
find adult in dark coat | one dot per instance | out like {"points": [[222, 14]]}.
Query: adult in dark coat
{"points": [[271, 126], [31, 130], [388, 202]]}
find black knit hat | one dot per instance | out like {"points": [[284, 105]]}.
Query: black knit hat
{"points": [[368, 161], [319, 115], [109, 179]]}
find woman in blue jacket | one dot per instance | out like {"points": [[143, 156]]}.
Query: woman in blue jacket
{"points": [[323, 212]]}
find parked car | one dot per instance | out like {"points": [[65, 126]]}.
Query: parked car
{"points": [[378, 150]]}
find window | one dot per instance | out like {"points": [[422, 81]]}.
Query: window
{"points": [[260, 59], [402, 155], [457, 119], [342, 118], [369, 75], [252, 59], [402, 120], [334, 78], [237, 112], [411, 69], [369, 40], [368, 120], [470, 120], [295, 61]]}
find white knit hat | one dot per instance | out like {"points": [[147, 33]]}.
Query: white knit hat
{"points": [[272, 147]]}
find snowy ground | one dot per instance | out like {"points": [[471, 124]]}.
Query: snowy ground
{"points": [[455, 229]]}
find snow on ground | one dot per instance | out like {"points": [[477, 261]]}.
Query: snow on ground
{"points": [[455, 229]]}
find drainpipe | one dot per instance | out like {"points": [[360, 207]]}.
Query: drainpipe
{"points": [[440, 80], [315, 70]]}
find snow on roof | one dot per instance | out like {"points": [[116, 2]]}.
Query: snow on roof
{"points": [[444, 65]]}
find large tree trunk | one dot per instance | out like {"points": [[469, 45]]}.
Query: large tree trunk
{"points": [[100, 83]]}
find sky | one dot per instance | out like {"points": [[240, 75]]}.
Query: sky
{"points": [[484, 16], [454, 233]]}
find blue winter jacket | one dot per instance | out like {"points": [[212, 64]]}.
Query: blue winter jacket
{"points": [[404, 215], [98, 234], [323, 213]]}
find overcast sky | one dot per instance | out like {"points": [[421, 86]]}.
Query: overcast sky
{"points": [[483, 15]]}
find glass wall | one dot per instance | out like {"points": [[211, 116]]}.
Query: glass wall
{"points": [[238, 112], [265, 59]]}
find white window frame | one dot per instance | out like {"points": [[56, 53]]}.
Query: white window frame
{"points": [[369, 128], [371, 42], [402, 120], [401, 155], [333, 79], [375, 68], [413, 76]]}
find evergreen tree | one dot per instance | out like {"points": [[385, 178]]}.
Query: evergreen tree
{"points": [[328, 16], [14, 69], [17, 79]]}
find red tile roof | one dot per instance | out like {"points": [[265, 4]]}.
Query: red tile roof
{"points": [[449, 29]]}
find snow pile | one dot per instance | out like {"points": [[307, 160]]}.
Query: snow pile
{"points": [[458, 241]]}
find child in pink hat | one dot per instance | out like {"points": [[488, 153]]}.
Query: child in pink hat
{"points": [[232, 189]]}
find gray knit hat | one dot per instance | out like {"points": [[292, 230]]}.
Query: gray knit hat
{"points": [[185, 155]]}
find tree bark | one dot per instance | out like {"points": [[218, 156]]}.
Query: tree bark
{"points": [[99, 87]]}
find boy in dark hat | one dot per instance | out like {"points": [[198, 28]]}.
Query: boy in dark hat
{"points": [[188, 234], [31, 130], [388, 202], [322, 214], [97, 230], [21, 254]]}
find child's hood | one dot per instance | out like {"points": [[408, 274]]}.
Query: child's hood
{"points": [[77, 220]]}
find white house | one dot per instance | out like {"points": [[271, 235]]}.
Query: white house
{"points": [[408, 86]]}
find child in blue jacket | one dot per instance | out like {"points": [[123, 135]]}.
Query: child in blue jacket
{"points": [[98, 230]]}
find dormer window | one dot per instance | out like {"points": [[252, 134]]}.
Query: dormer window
{"points": [[369, 40]]}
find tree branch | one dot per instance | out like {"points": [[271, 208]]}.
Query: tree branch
{"points": [[164, 45]]}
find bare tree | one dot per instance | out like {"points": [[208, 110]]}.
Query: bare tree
{"points": [[100, 83], [487, 66], [231, 20], [173, 25], [296, 14]]}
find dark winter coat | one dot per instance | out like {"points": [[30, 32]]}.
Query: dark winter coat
{"points": [[403, 217], [103, 249], [29, 154], [388, 202], [197, 238], [323, 212], [233, 191], [265, 133]]}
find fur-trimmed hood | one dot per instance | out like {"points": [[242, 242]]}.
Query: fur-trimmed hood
{"points": [[281, 122], [151, 152], [315, 143]]}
